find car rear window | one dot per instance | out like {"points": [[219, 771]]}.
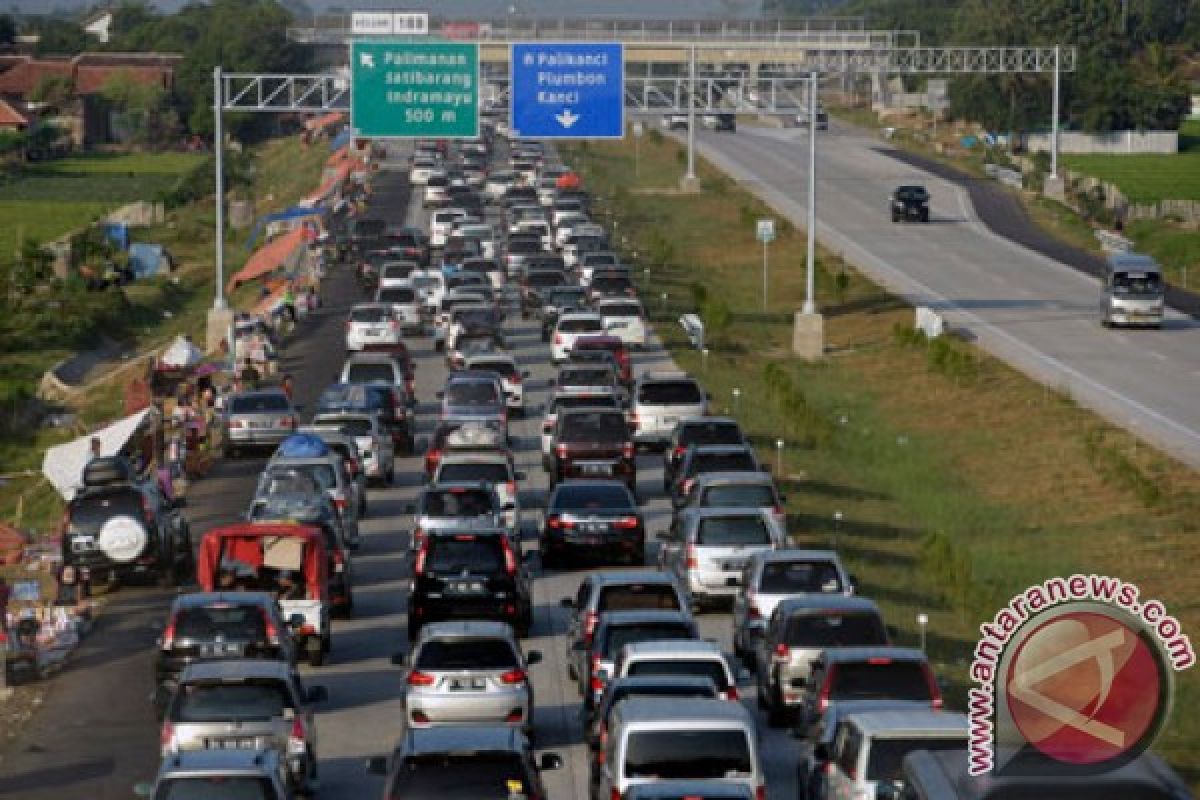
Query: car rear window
{"points": [[688, 755], [354, 426], [321, 474], [702, 667], [584, 401], [206, 787], [835, 630], [368, 373], [616, 694], [505, 369], [610, 282], [218, 702], [590, 376], [370, 314], [887, 755], [487, 472], [595, 427], [590, 497], [397, 294], [472, 393], [638, 597], [524, 246], [543, 279], [237, 623], [446, 654], [427, 281], [734, 495], [722, 462], [885, 680], [620, 635], [397, 272], [474, 776], [474, 317], [462, 552], [249, 404], [796, 577], [621, 310], [457, 502], [665, 393], [405, 240], [732, 531], [581, 325], [97, 508], [704, 433]]}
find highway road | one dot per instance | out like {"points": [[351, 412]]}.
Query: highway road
{"points": [[96, 736], [1039, 315]]}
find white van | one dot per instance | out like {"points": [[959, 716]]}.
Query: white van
{"points": [[868, 749]]}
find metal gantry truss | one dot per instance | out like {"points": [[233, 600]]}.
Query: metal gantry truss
{"points": [[271, 93]]}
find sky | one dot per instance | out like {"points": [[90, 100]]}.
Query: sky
{"points": [[487, 9]]}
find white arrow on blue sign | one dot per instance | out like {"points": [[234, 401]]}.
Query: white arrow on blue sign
{"points": [[568, 90]]}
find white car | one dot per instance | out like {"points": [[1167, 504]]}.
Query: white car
{"points": [[482, 233], [422, 171], [441, 225], [430, 285], [374, 443], [625, 319], [511, 377], [435, 191], [519, 215], [561, 216], [396, 273], [489, 466], [372, 324], [405, 305], [498, 183], [539, 227], [572, 227], [569, 328]]}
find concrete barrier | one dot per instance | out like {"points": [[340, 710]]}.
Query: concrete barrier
{"points": [[1112, 143], [1113, 242], [929, 322], [693, 326]]}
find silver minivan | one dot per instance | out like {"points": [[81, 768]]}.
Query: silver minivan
{"points": [[651, 739], [868, 749], [468, 673], [708, 549], [1134, 291]]}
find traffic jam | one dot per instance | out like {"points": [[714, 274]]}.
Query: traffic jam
{"points": [[575, 515]]}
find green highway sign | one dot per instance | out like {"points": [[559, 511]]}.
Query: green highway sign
{"points": [[406, 89]]}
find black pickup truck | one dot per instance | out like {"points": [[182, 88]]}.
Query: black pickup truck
{"points": [[910, 203]]}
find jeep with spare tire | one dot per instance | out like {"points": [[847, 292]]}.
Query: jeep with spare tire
{"points": [[119, 526]]}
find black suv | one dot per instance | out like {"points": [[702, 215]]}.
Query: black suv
{"points": [[214, 626], [558, 300], [469, 574], [593, 443], [910, 203], [697, 431], [118, 526]]}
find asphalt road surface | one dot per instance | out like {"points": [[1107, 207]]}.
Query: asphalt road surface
{"points": [[1038, 314], [96, 736]]}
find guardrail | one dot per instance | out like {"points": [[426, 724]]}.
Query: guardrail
{"points": [[1009, 177], [693, 326], [1113, 242]]}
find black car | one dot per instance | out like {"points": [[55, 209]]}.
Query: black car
{"points": [[119, 526], [214, 626], [700, 459], [725, 122], [592, 443], [463, 762], [594, 518], [536, 285], [697, 431], [910, 203], [469, 574], [555, 302]]}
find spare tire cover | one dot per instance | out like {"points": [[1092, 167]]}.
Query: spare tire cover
{"points": [[122, 539]]}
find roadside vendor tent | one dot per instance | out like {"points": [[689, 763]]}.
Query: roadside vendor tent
{"points": [[63, 464], [181, 354]]}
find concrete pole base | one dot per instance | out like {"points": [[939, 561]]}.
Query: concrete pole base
{"points": [[219, 322], [1055, 188], [808, 336], [689, 185]]}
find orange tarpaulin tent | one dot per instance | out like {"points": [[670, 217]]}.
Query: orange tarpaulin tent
{"points": [[269, 257], [339, 155], [324, 121], [332, 182]]}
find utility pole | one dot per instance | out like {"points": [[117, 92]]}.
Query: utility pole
{"points": [[689, 180], [810, 306], [1054, 112], [219, 154]]}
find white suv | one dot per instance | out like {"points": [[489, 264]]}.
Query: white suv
{"points": [[660, 400], [569, 328]]}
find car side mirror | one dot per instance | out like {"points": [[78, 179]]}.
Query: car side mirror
{"points": [[550, 761], [317, 694], [519, 476], [399, 659], [567, 602], [533, 657], [821, 752], [296, 621], [377, 765]]}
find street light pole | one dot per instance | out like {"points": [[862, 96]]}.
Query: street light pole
{"points": [[690, 177], [218, 151], [810, 306], [1054, 118]]}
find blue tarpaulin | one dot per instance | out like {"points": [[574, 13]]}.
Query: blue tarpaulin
{"points": [[341, 140], [146, 259], [303, 445], [295, 212], [118, 234]]}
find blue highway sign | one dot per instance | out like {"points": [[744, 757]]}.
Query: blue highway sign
{"points": [[568, 90]]}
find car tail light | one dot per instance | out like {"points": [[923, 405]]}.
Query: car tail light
{"points": [[780, 653], [288, 422], [627, 450], [395, 325], [341, 502], [679, 451], [349, 326], [422, 554], [558, 523], [431, 460], [339, 561], [730, 694], [168, 637], [268, 625], [419, 537], [510, 558], [513, 676], [752, 610], [692, 562], [166, 737], [237, 423], [416, 678], [826, 688], [558, 338], [616, 794], [634, 422], [561, 450], [511, 486], [515, 715], [589, 626], [760, 792], [297, 739], [596, 684], [626, 523], [934, 692], [686, 487]]}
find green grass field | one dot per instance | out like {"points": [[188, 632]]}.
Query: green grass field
{"points": [[1149, 178]]}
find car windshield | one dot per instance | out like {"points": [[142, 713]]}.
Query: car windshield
{"points": [[220, 702], [462, 552], [591, 497], [688, 755], [618, 636], [487, 472], [1137, 283], [835, 630], [229, 622], [609, 282], [474, 317], [370, 314], [397, 272], [887, 755], [457, 502], [702, 667], [472, 393], [543, 279], [723, 462], [735, 495], [799, 577], [253, 403], [599, 427], [882, 680], [400, 295], [207, 787], [459, 654], [638, 597], [915, 193], [664, 393], [733, 531], [474, 776], [370, 373]]}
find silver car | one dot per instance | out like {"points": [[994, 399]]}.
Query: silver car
{"points": [[736, 490], [328, 472], [373, 440], [491, 466], [660, 400], [460, 506], [774, 575], [347, 448], [257, 419], [708, 549], [220, 773], [468, 673], [246, 704]]}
